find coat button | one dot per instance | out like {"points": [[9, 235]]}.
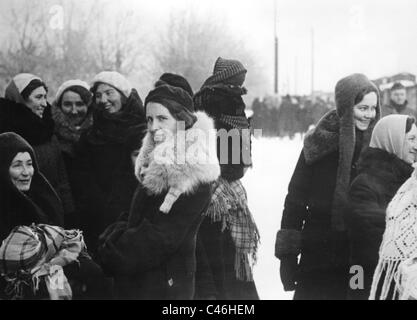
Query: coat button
{"points": [[170, 282]]}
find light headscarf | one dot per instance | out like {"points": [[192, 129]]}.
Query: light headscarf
{"points": [[389, 134]]}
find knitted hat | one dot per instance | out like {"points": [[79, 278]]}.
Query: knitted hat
{"points": [[18, 84], [175, 80], [176, 100], [225, 69], [77, 86], [113, 79]]}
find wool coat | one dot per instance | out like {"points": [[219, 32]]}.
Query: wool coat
{"points": [[151, 255], [380, 175], [392, 108], [313, 218]]}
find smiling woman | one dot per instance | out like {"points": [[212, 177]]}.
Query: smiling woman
{"points": [[25, 111]]}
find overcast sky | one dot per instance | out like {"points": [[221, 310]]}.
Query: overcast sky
{"points": [[376, 37]]}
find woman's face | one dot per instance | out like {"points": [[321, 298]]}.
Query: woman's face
{"points": [[365, 111], [410, 145], [108, 98], [37, 101], [73, 107], [21, 171], [160, 121]]}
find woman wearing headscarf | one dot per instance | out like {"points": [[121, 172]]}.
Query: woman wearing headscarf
{"points": [[72, 116], [151, 254], [313, 219], [228, 234], [117, 109], [25, 111], [383, 167], [27, 199]]}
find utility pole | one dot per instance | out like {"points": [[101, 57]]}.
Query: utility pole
{"points": [[312, 63], [276, 79]]}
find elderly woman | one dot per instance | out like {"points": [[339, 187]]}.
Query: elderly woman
{"points": [[383, 167], [27, 198], [25, 111], [117, 109], [151, 254], [313, 222]]}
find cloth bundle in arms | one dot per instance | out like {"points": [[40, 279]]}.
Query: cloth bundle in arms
{"points": [[35, 253]]}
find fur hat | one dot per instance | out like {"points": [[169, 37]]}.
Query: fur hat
{"points": [[176, 100], [175, 80], [226, 69], [113, 79]]}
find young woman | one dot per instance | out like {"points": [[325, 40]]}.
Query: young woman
{"points": [[117, 109], [151, 254], [312, 223], [25, 111]]}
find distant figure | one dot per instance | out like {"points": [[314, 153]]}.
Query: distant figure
{"points": [[25, 111], [312, 222], [398, 103]]}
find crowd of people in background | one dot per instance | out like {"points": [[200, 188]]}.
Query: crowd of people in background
{"points": [[89, 211]]}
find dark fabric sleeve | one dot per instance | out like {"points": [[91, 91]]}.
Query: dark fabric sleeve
{"points": [[150, 243], [295, 207], [365, 220]]}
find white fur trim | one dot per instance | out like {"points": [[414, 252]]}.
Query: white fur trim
{"points": [[201, 166]]}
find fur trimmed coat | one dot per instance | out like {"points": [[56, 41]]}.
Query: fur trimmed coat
{"points": [[150, 254], [380, 176]]}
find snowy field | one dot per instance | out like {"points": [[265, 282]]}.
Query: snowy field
{"points": [[266, 184]]}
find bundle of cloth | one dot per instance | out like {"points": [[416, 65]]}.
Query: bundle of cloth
{"points": [[36, 254]]}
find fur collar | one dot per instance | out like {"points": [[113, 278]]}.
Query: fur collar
{"points": [[159, 167], [323, 139], [385, 165]]}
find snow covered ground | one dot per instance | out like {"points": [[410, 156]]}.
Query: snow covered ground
{"points": [[266, 184]]}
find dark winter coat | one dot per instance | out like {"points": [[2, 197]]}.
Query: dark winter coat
{"points": [[151, 254], [98, 155], [380, 175], [16, 117], [313, 218], [216, 274], [393, 108]]}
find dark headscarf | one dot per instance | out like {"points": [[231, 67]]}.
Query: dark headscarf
{"points": [[114, 127], [39, 205]]}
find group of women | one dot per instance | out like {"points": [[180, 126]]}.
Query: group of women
{"points": [[78, 164], [351, 167]]}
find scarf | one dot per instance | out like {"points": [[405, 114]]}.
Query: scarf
{"points": [[113, 128], [229, 205], [67, 133], [34, 253], [399, 242]]}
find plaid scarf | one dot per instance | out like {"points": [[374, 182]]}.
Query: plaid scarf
{"points": [[229, 205], [31, 254]]}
